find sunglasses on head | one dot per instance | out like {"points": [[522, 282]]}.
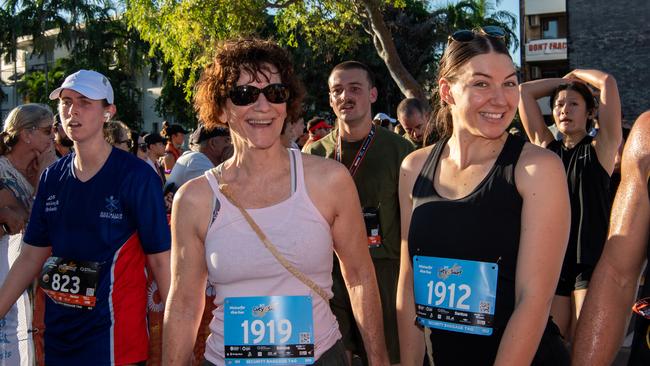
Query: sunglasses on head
{"points": [[467, 35], [242, 95]]}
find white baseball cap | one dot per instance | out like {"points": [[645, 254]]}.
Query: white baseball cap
{"points": [[384, 116], [90, 84]]}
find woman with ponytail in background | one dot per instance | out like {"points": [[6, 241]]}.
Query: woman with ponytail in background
{"points": [[175, 135], [484, 223]]}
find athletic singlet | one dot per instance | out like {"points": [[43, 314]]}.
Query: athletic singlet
{"points": [[239, 265], [590, 202], [482, 226], [640, 355]]}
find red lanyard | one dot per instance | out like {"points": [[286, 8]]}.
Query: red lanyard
{"points": [[356, 163]]}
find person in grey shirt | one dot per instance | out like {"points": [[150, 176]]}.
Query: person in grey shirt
{"points": [[209, 148]]}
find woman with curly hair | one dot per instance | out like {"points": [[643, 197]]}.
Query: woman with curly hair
{"points": [[247, 225]]}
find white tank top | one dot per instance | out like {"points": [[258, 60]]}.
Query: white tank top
{"points": [[240, 265]]}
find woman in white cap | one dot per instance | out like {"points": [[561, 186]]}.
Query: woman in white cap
{"points": [[97, 217]]}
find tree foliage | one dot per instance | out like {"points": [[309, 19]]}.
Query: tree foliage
{"points": [[95, 38], [405, 35]]}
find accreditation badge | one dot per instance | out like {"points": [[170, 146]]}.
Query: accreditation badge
{"points": [[373, 229], [454, 294], [268, 330], [69, 282]]}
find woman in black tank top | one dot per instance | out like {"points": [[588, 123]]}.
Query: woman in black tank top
{"points": [[485, 222], [589, 163]]}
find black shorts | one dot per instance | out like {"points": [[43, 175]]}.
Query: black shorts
{"points": [[575, 278], [551, 350], [387, 272]]}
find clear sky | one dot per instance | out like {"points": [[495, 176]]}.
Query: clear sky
{"points": [[508, 5]]}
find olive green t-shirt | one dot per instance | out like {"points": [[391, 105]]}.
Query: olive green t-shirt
{"points": [[376, 180], [416, 145]]}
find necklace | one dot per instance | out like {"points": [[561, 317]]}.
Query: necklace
{"points": [[24, 171]]}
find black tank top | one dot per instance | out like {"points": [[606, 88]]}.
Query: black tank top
{"points": [[640, 355], [483, 226], [590, 201]]}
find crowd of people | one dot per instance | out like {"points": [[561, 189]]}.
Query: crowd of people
{"points": [[437, 238]]}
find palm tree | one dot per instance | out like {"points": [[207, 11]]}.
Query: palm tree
{"points": [[471, 14]]}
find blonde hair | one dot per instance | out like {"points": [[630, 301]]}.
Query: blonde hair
{"points": [[23, 117]]}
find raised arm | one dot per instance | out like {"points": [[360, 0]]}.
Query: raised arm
{"points": [[609, 114], [612, 288], [531, 114], [545, 220], [186, 299], [411, 336], [351, 246]]}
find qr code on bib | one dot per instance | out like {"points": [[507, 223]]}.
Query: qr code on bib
{"points": [[484, 307], [305, 338]]}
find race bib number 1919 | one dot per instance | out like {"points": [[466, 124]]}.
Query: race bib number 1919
{"points": [[455, 295], [268, 330]]}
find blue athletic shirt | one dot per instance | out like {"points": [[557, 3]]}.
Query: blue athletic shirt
{"points": [[115, 218]]}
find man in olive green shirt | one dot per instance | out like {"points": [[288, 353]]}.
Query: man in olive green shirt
{"points": [[374, 156]]}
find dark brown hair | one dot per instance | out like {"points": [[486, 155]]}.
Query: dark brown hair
{"points": [[586, 94], [356, 65], [252, 56], [409, 106], [453, 59]]}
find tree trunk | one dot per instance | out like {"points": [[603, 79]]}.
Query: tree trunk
{"points": [[385, 46]]}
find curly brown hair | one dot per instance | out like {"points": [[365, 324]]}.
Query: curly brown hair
{"points": [[249, 55]]}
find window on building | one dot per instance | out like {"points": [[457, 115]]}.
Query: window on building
{"points": [[550, 28]]}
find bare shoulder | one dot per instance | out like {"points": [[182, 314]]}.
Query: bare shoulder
{"points": [[325, 171], [637, 148], [538, 169], [533, 155], [414, 162], [191, 198]]}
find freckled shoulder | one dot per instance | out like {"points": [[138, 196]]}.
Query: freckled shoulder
{"points": [[192, 198], [414, 162]]}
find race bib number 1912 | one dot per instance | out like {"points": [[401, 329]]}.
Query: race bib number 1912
{"points": [[454, 294]]}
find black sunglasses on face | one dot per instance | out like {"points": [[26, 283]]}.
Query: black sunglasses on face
{"points": [[242, 95], [467, 35]]}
